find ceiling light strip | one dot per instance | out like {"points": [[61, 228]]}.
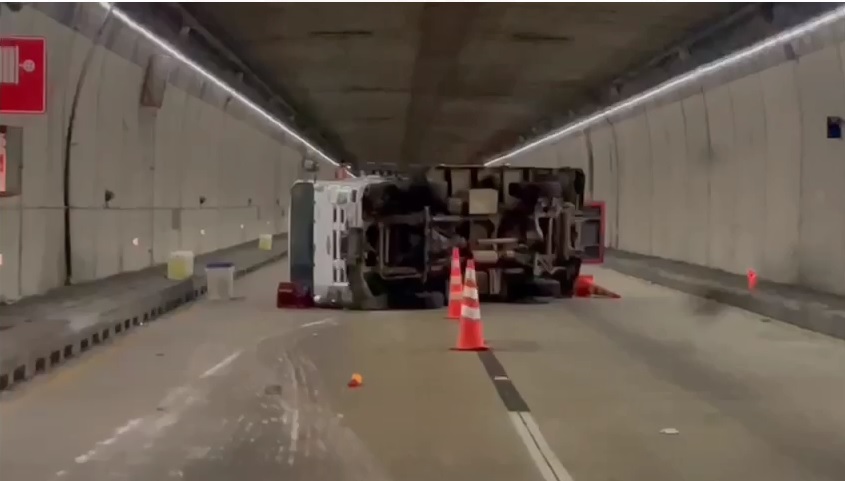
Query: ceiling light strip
{"points": [[677, 82], [172, 51]]}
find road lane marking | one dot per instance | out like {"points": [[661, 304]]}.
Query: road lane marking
{"points": [[176, 400], [526, 427], [560, 473], [129, 426], [317, 323], [220, 365], [533, 449]]}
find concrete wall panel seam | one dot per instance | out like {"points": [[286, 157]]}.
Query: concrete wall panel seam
{"points": [[841, 115], [650, 159], [618, 171], [732, 222], [68, 160], [708, 254], [763, 240], [684, 217]]}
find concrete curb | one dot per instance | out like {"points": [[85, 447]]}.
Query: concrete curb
{"points": [[52, 345], [812, 311]]}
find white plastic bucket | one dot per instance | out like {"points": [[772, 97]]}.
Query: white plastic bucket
{"points": [[220, 280]]}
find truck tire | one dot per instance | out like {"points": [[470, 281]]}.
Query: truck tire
{"points": [[548, 288], [568, 276], [435, 300]]}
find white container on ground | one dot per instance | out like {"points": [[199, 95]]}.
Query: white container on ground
{"points": [[180, 265], [265, 242], [220, 280]]}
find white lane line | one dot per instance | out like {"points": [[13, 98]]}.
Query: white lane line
{"points": [[547, 462], [317, 323], [176, 401], [220, 365], [129, 426], [551, 457], [500, 378]]}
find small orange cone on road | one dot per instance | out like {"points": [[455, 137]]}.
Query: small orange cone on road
{"points": [[356, 381], [599, 291], [456, 287], [585, 286], [752, 279], [471, 335]]}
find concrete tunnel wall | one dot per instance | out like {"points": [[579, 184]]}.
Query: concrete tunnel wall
{"points": [[732, 173], [157, 161]]}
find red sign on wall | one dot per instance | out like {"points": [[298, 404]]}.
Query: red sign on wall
{"points": [[23, 75]]}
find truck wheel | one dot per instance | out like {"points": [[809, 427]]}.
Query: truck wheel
{"points": [[548, 288], [568, 276], [435, 300]]}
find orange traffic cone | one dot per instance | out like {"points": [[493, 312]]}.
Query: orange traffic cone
{"points": [[585, 286], [599, 291], [470, 337], [456, 287], [356, 381]]}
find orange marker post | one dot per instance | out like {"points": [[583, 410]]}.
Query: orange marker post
{"points": [[752, 279]]}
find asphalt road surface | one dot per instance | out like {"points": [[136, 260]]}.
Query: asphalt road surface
{"points": [[648, 387]]}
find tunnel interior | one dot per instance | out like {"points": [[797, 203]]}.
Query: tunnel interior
{"points": [[148, 149]]}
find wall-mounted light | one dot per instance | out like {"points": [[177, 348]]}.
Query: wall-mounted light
{"points": [[175, 53], [135, 242], [671, 85]]}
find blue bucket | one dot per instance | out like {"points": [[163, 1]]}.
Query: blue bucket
{"points": [[219, 265]]}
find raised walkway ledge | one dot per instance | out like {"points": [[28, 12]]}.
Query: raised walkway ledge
{"points": [[811, 310], [43, 331]]}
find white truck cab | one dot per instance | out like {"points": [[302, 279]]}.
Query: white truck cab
{"points": [[321, 213]]}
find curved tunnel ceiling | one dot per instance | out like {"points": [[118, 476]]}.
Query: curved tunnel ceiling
{"points": [[445, 82]]}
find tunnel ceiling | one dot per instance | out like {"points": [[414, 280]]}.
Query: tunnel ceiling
{"points": [[432, 83]]}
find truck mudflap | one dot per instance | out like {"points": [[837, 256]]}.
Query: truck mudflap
{"points": [[592, 232]]}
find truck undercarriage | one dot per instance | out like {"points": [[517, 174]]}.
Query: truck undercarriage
{"points": [[522, 227]]}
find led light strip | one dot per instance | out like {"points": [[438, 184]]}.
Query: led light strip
{"points": [[172, 51], [587, 122]]}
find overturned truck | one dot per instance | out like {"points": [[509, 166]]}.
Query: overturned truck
{"points": [[388, 241]]}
